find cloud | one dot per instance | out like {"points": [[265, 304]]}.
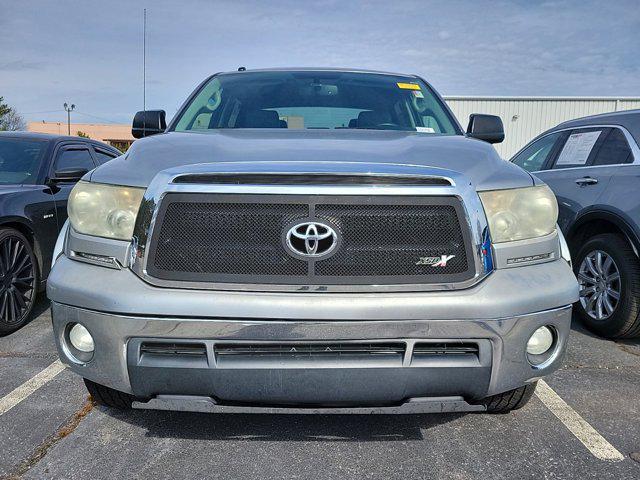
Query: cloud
{"points": [[21, 65], [93, 56]]}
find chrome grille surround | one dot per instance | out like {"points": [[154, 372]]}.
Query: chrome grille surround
{"points": [[170, 181]]}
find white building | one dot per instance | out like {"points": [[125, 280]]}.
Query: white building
{"points": [[526, 117]]}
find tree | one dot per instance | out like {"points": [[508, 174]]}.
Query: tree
{"points": [[12, 122], [80, 133], [4, 108], [10, 119]]}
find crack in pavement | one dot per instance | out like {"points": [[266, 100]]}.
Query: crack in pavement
{"points": [[41, 450], [582, 366], [50, 355], [632, 349]]}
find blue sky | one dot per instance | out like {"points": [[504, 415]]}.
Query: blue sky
{"points": [[90, 53]]}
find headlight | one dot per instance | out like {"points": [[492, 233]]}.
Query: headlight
{"points": [[104, 210], [520, 213]]}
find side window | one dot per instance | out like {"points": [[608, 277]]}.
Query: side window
{"points": [[614, 149], [535, 155], [103, 156], [74, 158], [579, 148]]}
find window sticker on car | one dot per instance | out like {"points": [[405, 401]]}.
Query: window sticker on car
{"points": [[417, 94], [408, 86], [425, 130], [578, 147]]}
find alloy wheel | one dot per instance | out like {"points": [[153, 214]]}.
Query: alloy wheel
{"points": [[600, 287], [17, 280]]}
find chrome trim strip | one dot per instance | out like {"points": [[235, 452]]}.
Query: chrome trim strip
{"points": [[337, 174], [110, 262], [163, 183]]}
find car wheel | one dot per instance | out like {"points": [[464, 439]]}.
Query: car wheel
{"points": [[18, 280], [511, 400], [609, 276], [108, 396]]}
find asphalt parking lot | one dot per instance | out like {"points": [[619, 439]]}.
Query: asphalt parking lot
{"points": [[590, 429]]}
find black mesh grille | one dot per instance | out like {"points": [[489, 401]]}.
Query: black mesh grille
{"points": [[227, 238], [390, 239], [241, 239]]}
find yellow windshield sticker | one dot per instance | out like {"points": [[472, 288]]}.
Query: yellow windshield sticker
{"points": [[409, 86]]}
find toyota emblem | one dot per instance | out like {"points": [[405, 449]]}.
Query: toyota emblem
{"points": [[311, 239]]}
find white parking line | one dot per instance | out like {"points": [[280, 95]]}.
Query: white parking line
{"points": [[577, 425], [27, 388]]}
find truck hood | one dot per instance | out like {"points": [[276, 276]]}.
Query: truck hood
{"points": [[363, 151]]}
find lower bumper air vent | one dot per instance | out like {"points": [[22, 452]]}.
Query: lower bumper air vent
{"points": [[456, 352], [334, 355], [174, 349]]}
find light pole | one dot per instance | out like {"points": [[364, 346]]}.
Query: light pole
{"points": [[69, 109]]}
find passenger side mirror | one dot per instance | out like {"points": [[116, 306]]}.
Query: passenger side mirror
{"points": [[148, 122], [69, 175], [485, 127]]}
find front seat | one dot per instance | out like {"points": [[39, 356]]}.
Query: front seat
{"points": [[373, 118], [259, 119]]}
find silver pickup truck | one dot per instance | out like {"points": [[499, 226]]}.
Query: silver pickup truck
{"points": [[312, 240]]}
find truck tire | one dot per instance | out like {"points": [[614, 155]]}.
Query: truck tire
{"points": [[511, 400], [108, 396], [18, 280], [617, 260]]}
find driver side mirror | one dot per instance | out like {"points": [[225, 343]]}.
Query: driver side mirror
{"points": [[485, 127], [68, 175], [148, 122]]}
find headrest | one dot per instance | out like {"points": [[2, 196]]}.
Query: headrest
{"points": [[260, 119], [373, 118]]}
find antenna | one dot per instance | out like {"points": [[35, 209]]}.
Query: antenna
{"points": [[144, 70], [144, 60]]}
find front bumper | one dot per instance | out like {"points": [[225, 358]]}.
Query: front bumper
{"points": [[498, 315]]}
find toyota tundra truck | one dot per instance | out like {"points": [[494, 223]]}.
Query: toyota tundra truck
{"points": [[321, 240]]}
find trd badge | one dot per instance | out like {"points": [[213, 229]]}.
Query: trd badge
{"points": [[440, 261]]}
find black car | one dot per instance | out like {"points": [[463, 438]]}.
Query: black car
{"points": [[37, 172], [592, 164]]}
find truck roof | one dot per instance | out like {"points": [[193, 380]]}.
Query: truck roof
{"points": [[319, 69]]}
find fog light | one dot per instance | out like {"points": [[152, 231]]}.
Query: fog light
{"points": [[540, 342], [81, 339]]}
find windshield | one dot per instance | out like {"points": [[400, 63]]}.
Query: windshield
{"points": [[20, 160], [316, 100]]}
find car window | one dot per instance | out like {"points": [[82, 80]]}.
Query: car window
{"points": [[77, 158], [614, 149], [20, 160], [316, 100], [535, 155], [103, 157], [579, 148]]}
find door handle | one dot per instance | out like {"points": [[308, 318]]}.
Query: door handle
{"points": [[586, 181]]}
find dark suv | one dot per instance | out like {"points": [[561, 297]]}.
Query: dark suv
{"points": [[593, 166]]}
